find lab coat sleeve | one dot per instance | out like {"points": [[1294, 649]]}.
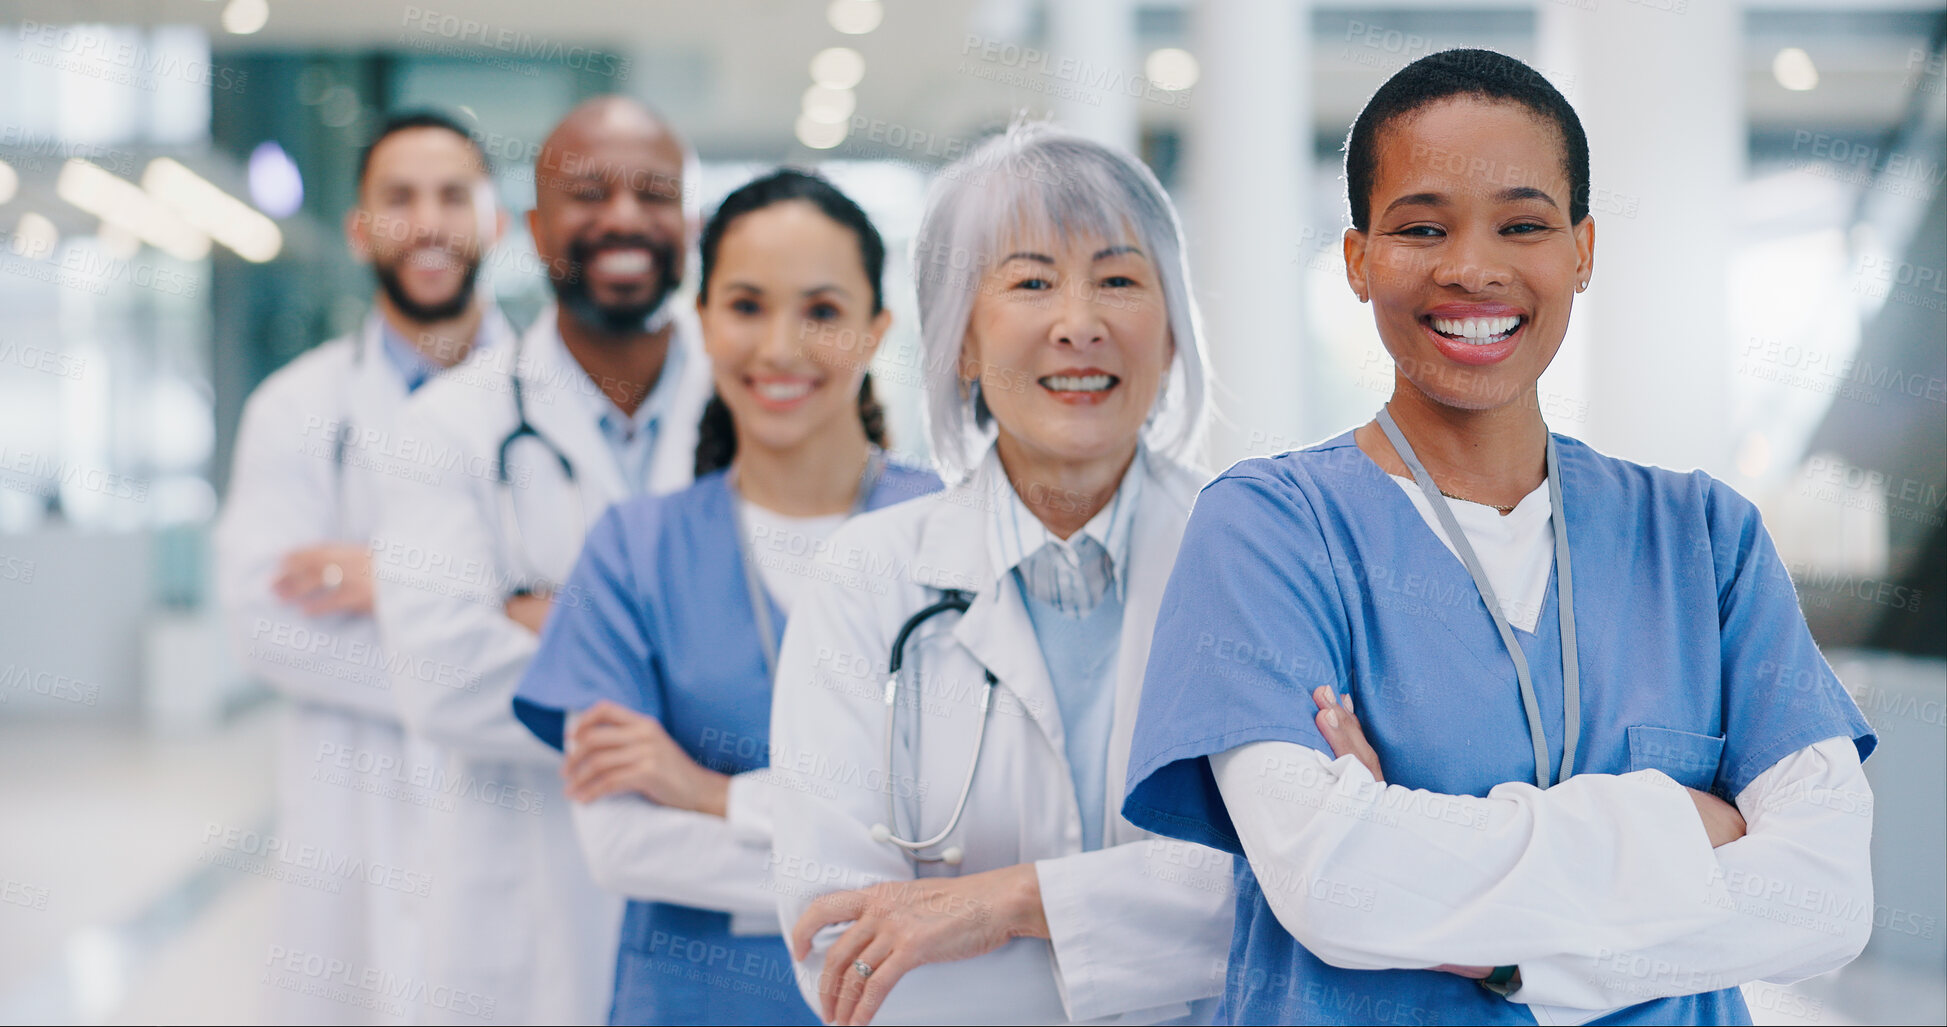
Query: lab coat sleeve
{"points": [[283, 497], [820, 848], [1371, 876], [455, 656], [826, 722], [604, 647], [1169, 940], [657, 854], [1790, 899], [1793, 897]]}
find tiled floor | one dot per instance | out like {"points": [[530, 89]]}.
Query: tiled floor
{"points": [[104, 833], [108, 913]]}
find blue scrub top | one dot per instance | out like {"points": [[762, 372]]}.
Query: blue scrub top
{"points": [[1314, 568], [657, 617]]}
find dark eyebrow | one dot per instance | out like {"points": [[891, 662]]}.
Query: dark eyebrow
{"points": [[1039, 258], [1417, 200], [1525, 192], [813, 291], [1116, 251]]}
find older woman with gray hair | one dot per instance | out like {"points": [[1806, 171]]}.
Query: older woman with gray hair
{"points": [[953, 708]]}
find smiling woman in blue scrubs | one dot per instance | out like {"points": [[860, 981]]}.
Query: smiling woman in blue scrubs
{"points": [[1565, 667], [657, 670]]}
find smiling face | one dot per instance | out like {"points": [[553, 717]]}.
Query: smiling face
{"points": [[1470, 261], [425, 216], [608, 215], [1070, 341], [788, 322]]}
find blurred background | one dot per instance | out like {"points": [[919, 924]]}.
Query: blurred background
{"points": [[1770, 304]]}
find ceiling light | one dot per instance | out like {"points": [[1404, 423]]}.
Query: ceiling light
{"points": [[123, 204], [829, 105], [34, 237], [225, 218], [243, 17], [855, 17], [840, 67], [1794, 70], [820, 135], [1171, 69]]}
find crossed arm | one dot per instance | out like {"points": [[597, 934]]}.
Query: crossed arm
{"points": [[1606, 891]]}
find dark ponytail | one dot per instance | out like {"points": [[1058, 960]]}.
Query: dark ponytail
{"points": [[872, 416], [716, 437], [716, 443]]}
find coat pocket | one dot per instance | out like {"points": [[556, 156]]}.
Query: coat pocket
{"points": [[1689, 758]]}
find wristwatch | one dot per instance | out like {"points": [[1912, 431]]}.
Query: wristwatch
{"points": [[1504, 981]]}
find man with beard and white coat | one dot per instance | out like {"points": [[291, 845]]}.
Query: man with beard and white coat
{"points": [[294, 568], [599, 402]]}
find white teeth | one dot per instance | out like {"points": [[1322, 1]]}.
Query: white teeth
{"points": [[1476, 329], [782, 392], [429, 259], [1078, 382], [622, 262]]}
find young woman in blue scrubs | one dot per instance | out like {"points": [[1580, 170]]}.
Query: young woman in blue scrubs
{"points": [[657, 672], [1475, 700]]}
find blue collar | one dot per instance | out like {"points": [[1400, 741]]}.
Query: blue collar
{"points": [[413, 367]]}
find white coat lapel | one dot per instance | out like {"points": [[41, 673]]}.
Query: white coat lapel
{"points": [[673, 464], [562, 401], [996, 629], [372, 394], [374, 391]]}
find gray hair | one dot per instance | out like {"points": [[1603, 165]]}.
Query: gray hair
{"points": [[1036, 177]]}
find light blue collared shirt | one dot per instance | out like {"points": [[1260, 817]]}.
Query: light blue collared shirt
{"points": [[632, 439], [1081, 654], [1071, 574], [414, 368], [1074, 590]]}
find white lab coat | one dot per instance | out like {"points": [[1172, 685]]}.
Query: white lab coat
{"points": [[1140, 927], [344, 761], [518, 932]]}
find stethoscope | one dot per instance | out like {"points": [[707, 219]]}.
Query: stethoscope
{"points": [[525, 429], [1565, 586], [341, 439], [504, 479], [956, 601], [953, 600]]}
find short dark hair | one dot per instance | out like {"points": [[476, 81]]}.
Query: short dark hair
{"points": [[1484, 74], [409, 120], [716, 443]]}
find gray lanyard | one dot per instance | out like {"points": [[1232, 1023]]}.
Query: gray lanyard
{"points": [[760, 600], [1565, 585]]}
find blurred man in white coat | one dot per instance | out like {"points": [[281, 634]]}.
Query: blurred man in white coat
{"points": [[598, 401], [294, 565]]}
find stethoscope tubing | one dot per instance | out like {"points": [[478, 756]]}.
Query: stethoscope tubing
{"points": [[953, 600]]}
